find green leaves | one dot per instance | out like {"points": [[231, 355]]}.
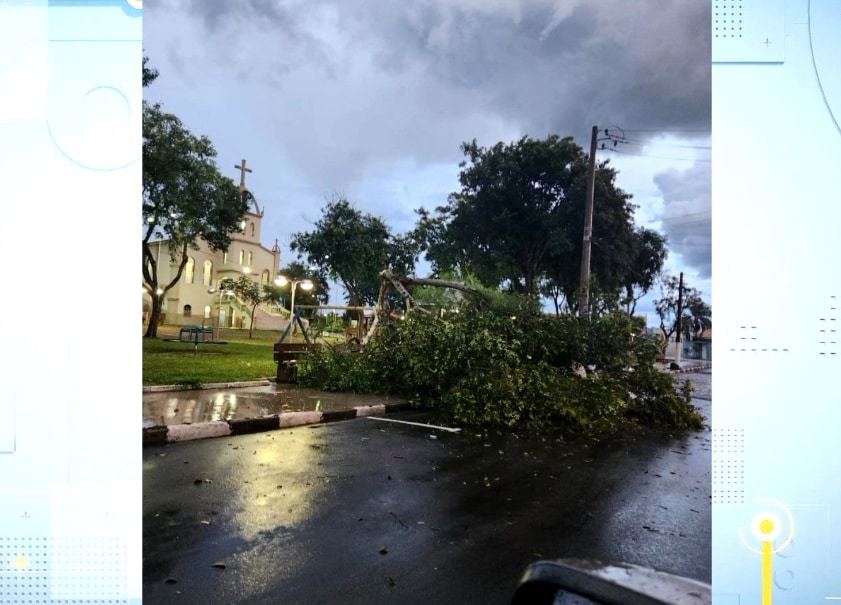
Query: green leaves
{"points": [[518, 219], [353, 248], [501, 361]]}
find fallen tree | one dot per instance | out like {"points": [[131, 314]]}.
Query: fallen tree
{"points": [[502, 361]]}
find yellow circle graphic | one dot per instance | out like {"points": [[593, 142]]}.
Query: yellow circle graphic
{"points": [[766, 527]]}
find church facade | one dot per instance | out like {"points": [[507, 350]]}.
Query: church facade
{"points": [[196, 298]]}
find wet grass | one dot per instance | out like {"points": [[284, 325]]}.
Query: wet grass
{"points": [[241, 359]]}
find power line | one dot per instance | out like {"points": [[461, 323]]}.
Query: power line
{"points": [[671, 145], [664, 130], [655, 157]]}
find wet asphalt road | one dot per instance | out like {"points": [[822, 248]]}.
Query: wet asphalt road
{"points": [[372, 512]]}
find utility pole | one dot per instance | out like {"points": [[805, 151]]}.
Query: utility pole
{"points": [[679, 317], [584, 302]]}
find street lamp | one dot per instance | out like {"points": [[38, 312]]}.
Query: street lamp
{"points": [[305, 284], [222, 292]]}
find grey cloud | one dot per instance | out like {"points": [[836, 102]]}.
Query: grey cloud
{"points": [[343, 89], [551, 66], [686, 214]]}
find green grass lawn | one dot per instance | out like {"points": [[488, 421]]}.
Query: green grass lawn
{"points": [[241, 359]]}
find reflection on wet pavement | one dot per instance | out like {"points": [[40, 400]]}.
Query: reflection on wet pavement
{"points": [[189, 407]]}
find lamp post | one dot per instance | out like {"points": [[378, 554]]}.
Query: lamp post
{"points": [[156, 296], [305, 284], [222, 292]]}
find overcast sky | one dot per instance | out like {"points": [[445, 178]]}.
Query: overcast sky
{"points": [[371, 99]]}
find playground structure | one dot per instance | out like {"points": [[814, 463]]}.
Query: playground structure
{"points": [[362, 330], [357, 335], [365, 326]]}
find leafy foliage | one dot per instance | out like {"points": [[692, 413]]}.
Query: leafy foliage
{"points": [[517, 222], [500, 361], [353, 247]]}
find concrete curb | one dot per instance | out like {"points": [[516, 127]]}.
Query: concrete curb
{"points": [[162, 388], [695, 369], [176, 433]]}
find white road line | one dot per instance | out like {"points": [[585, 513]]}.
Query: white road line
{"points": [[428, 426]]}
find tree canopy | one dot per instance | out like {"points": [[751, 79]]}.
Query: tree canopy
{"points": [[517, 222], [185, 197], [352, 247]]}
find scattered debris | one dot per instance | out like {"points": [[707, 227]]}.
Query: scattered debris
{"points": [[389, 581], [170, 581], [399, 521], [220, 565], [200, 481], [204, 522], [383, 550]]}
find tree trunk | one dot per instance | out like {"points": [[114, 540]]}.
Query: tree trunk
{"points": [[154, 317], [251, 328]]}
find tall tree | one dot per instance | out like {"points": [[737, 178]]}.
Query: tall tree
{"points": [[185, 198], [352, 247], [519, 217], [644, 265]]}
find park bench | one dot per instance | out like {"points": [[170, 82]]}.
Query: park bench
{"points": [[195, 334], [286, 354]]}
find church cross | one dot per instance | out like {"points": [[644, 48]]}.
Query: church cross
{"points": [[243, 169]]}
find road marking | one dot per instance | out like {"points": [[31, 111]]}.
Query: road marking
{"points": [[428, 426]]}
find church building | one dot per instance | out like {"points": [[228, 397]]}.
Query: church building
{"points": [[196, 298]]}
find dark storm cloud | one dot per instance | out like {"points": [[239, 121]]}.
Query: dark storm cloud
{"points": [[550, 66], [373, 98], [686, 217]]}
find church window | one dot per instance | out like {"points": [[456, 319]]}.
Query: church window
{"points": [[252, 229], [242, 257], [250, 258], [190, 271], [188, 310], [265, 279], [207, 276]]}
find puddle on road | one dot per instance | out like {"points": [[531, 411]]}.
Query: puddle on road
{"points": [[189, 407]]}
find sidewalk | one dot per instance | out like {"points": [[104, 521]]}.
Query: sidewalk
{"points": [[238, 408], [171, 415]]}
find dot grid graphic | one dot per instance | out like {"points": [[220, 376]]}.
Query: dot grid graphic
{"points": [[78, 570], [748, 31], [750, 341], [828, 330], [728, 466], [24, 576], [727, 20], [88, 567]]}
